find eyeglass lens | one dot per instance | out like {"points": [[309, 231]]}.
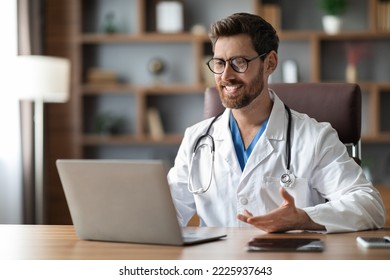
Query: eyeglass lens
{"points": [[239, 64]]}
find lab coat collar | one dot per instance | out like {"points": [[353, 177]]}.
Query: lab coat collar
{"points": [[276, 130], [277, 124]]}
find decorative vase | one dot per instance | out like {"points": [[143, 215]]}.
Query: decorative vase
{"points": [[332, 24], [290, 72], [169, 16]]}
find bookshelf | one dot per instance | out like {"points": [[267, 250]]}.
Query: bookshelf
{"points": [[177, 93]]}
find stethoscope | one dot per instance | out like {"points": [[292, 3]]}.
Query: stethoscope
{"points": [[286, 180]]}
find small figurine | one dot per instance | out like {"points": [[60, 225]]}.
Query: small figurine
{"points": [[156, 67]]}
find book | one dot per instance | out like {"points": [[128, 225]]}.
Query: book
{"points": [[383, 15], [101, 76], [156, 128]]}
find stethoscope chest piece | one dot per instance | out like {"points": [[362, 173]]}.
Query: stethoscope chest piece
{"points": [[287, 179]]}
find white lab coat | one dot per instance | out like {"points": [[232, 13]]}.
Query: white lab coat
{"points": [[320, 162]]}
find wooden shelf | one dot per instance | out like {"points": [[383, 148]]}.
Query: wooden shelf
{"points": [[106, 139], [357, 35], [101, 38], [342, 36], [174, 88], [381, 138], [140, 38]]}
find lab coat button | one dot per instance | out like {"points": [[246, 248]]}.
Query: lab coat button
{"points": [[243, 201]]}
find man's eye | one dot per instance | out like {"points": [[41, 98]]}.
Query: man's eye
{"points": [[219, 63], [239, 61]]}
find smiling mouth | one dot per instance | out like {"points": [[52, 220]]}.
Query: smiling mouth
{"points": [[232, 88]]}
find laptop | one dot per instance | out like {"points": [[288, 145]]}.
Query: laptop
{"points": [[125, 201]]}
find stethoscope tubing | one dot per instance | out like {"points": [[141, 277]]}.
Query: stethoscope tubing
{"points": [[287, 179], [207, 134]]}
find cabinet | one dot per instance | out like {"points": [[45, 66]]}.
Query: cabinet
{"points": [[177, 92], [322, 57]]}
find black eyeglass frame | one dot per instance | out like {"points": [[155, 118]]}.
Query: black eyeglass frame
{"points": [[230, 60]]}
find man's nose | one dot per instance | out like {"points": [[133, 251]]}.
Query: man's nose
{"points": [[228, 72]]}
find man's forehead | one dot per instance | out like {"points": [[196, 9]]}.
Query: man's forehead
{"points": [[236, 45]]}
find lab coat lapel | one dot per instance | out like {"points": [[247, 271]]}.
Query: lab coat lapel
{"points": [[275, 131], [261, 151], [223, 140]]}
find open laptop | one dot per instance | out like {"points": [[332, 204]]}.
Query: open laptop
{"points": [[124, 201]]}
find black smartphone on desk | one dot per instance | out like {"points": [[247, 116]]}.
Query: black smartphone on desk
{"points": [[285, 245], [374, 242]]}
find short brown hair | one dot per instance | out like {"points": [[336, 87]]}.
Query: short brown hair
{"points": [[263, 35]]}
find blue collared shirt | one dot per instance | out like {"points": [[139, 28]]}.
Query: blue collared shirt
{"points": [[242, 153]]}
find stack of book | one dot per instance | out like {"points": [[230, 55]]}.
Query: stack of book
{"points": [[98, 76], [383, 15]]}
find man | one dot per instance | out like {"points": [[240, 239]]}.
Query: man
{"points": [[242, 186]]}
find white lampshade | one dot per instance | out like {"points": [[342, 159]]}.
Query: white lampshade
{"points": [[42, 78]]}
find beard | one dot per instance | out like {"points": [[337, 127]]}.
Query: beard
{"points": [[245, 95]]}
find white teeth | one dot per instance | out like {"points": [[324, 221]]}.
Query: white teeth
{"points": [[231, 87]]}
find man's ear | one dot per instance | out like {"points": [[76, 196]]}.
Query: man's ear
{"points": [[271, 62]]}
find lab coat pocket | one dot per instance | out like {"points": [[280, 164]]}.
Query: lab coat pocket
{"points": [[299, 190]]}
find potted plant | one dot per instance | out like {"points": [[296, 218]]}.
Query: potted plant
{"points": [[333, 9]]}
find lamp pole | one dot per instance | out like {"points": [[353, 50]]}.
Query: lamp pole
{"points": [[38, 160], [41, 79]]}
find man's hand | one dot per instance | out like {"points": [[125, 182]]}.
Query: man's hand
{"points": [[286, 217]]}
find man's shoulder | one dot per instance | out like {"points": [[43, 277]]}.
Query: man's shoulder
{"points": [[306, 127], [302, 119], [199, 127]]}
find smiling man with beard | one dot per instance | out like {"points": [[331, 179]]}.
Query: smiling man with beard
{"points": [[240, 184]]}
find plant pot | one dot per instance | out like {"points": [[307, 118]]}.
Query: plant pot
{"points": [[331, 24]]}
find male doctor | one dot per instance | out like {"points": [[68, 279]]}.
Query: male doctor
{"points": [[241, 186]]}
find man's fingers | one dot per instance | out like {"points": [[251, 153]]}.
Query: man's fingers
{"points": [[247, 213], [245, 216], [286, 196]]}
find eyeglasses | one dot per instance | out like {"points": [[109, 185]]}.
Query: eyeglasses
{"points": [[239, 64]]}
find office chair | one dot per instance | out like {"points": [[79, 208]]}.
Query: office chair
{"points": [[336, 103]]}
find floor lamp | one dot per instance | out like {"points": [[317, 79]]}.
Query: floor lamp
{"points": [[41, 79]]}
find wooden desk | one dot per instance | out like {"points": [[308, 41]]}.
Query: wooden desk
{"points": [[61, 243]]}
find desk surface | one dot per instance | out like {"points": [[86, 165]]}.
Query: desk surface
{"points": [[61, 243]]}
